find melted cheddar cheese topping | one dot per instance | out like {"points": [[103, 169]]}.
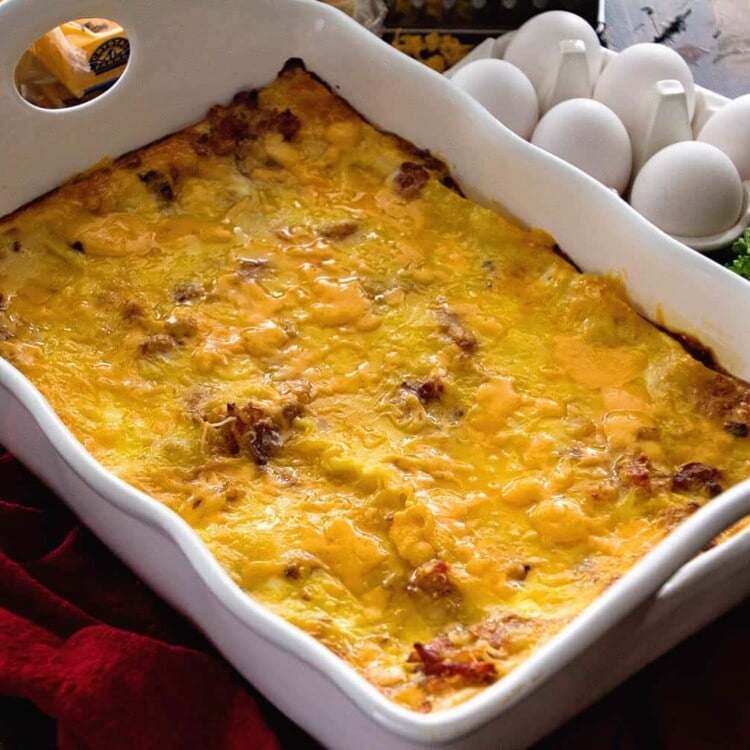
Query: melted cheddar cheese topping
{"points": [[403, 424]]}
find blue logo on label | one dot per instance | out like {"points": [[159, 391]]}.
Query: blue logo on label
{"points": [[111, 54]]}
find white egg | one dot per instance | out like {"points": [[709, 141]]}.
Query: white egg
{"points": [[504, 91], [590, 136], [627, 84], [535, 47], [729, 130], [689, 189]]}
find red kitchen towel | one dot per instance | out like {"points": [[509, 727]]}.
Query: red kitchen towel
{"points": [[89, 645]]}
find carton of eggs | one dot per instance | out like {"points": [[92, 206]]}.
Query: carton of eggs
{"points": [[626, 120]]}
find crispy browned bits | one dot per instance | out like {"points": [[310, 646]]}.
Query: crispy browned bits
{"points": [[457, 331], [292, 570], [188, 291], [247, 99], [738, 429], [286, 123], [697, 477], [428, 392], [131, 161], [725, 398], [433, 661], [132, 310], [257, 435], [158, 183], [410, 179], [159, 343], [251, 431], [634, 471], [432, 578], [228, 130]]}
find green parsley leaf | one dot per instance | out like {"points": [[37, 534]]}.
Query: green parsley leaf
{"points": [[742, 245], [741, 263], [741, 266]]}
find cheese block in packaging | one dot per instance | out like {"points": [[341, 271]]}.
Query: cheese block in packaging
{"points": [[86, 55]]}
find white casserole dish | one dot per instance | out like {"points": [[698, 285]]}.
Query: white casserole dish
{"points": [[190, 55]]}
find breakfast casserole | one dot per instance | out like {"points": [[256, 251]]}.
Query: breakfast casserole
{"points": [[405, 425]]}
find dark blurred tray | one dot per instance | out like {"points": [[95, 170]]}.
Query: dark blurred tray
{"points": [[479, 18]]}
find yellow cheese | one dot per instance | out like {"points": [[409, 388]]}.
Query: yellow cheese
{"points": [[495, 400], [596, 366]]}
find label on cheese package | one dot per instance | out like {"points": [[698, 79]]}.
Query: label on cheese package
{"points": [[86, 55]]}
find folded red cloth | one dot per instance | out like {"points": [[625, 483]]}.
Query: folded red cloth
{"points": [[92, 647]]}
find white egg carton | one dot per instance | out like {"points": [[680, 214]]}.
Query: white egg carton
{"points": [[706, 208], [707, 102]]}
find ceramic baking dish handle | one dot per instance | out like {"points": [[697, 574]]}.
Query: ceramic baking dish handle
{"points": [[690, 567], [43, 147], [61, 140], [672, 574]]}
